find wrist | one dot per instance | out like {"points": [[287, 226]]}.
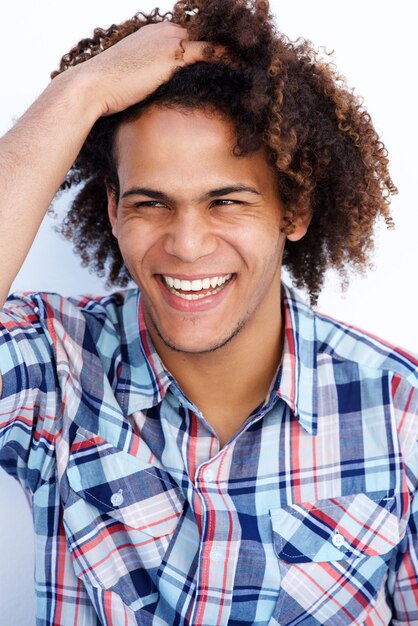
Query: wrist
{"points": [[80, 91]]}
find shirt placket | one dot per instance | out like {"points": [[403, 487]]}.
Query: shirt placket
{"points": [[220, 544]]}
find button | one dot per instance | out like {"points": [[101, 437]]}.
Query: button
{"points": [[338, 540], [208, 476], [36, 309], [117, 498]]}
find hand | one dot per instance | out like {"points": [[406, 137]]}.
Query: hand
{"points": [[128, 71]]}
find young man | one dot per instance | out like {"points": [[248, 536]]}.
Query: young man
{"points": [[204, 449]]}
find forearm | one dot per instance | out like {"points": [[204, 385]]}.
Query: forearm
{"points": [[35, 156]]}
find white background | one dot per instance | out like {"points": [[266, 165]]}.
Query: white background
{"points": [[374, 48]]}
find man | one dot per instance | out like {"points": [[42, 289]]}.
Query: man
{"points": [[205, 449]]}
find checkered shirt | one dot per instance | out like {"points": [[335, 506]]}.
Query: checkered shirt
{"points": [[308, 515]]}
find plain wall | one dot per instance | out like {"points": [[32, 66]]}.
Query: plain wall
{"points": [[374, 48]]}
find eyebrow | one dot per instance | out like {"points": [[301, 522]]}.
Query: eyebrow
{"points": [[159, 195]]}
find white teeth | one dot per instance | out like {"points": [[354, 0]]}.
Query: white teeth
{"points": [[189, 296], [176, 285], [197, 285]]}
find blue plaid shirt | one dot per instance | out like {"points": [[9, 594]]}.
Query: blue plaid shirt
{"points": [[308, 515]]}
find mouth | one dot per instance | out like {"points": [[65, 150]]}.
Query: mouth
{"points": [[198, 288]]}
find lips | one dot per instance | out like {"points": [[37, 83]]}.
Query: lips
{"points": [[196, 288], [190, 294]]}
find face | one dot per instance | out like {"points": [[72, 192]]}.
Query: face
{"points": [[198, 228]]}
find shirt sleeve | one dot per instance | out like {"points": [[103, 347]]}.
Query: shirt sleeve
{"points": [[29, 406], [404, 581]]}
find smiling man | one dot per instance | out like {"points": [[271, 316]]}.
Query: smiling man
{"points": [[206, 252], [203, 448]]}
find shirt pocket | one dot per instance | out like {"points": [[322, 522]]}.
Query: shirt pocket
{"points": [[120, 516], [333, 556]]}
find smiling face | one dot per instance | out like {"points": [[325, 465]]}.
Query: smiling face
{"points": [[199, 230]]}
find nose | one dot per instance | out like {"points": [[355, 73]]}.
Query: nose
{"points": [[190, 236]]}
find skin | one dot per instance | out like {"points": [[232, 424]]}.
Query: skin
{"points": [[222, 349], [39, 149]]}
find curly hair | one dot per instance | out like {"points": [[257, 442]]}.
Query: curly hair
{"points": [[282, 97]]}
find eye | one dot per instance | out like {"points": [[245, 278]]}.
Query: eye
{"points": [[226, 202], [151, 208], [148, 209], [148, 203]]}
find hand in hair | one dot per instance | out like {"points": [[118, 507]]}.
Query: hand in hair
{"points": [[132, 68]]}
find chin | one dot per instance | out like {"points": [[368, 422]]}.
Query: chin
{"points": [[198, 346], [189, 347]]}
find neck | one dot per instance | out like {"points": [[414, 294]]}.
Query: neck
{"points": [[228, 383]]}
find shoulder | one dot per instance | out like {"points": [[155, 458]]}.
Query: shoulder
{"points": [[332, 340], [374, 378], [374, 375], [355, 374], [53, 305], [345, 342], [85, 320]]}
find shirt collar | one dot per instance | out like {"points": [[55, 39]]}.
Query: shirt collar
{"points": [[144, 379], [298, 384]]}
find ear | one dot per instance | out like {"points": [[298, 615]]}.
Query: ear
{"points": [[112, 209], [296, 227]]}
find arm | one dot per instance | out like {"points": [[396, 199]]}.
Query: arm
{"points": [[37, 152], [404, 584], [403, 574]]}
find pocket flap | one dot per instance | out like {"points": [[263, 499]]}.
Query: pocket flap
{"points": [[141, 496], [336, 528]]}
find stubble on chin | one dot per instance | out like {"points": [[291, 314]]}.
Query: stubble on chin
{"points": [[175, 347]]}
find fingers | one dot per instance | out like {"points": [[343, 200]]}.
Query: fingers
{"points": [[186, 51], [193, 51]]}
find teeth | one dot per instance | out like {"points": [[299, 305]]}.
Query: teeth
{"points": [[190, 296], [176, 285]]}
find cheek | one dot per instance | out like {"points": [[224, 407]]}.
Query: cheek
{"points": [[260, 247], [136, 242]]}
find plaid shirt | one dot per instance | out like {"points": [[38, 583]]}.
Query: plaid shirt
{"points": [[307, 516]]}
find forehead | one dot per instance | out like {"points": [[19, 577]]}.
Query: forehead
{"points": [[168, 125], [166, 143]]}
